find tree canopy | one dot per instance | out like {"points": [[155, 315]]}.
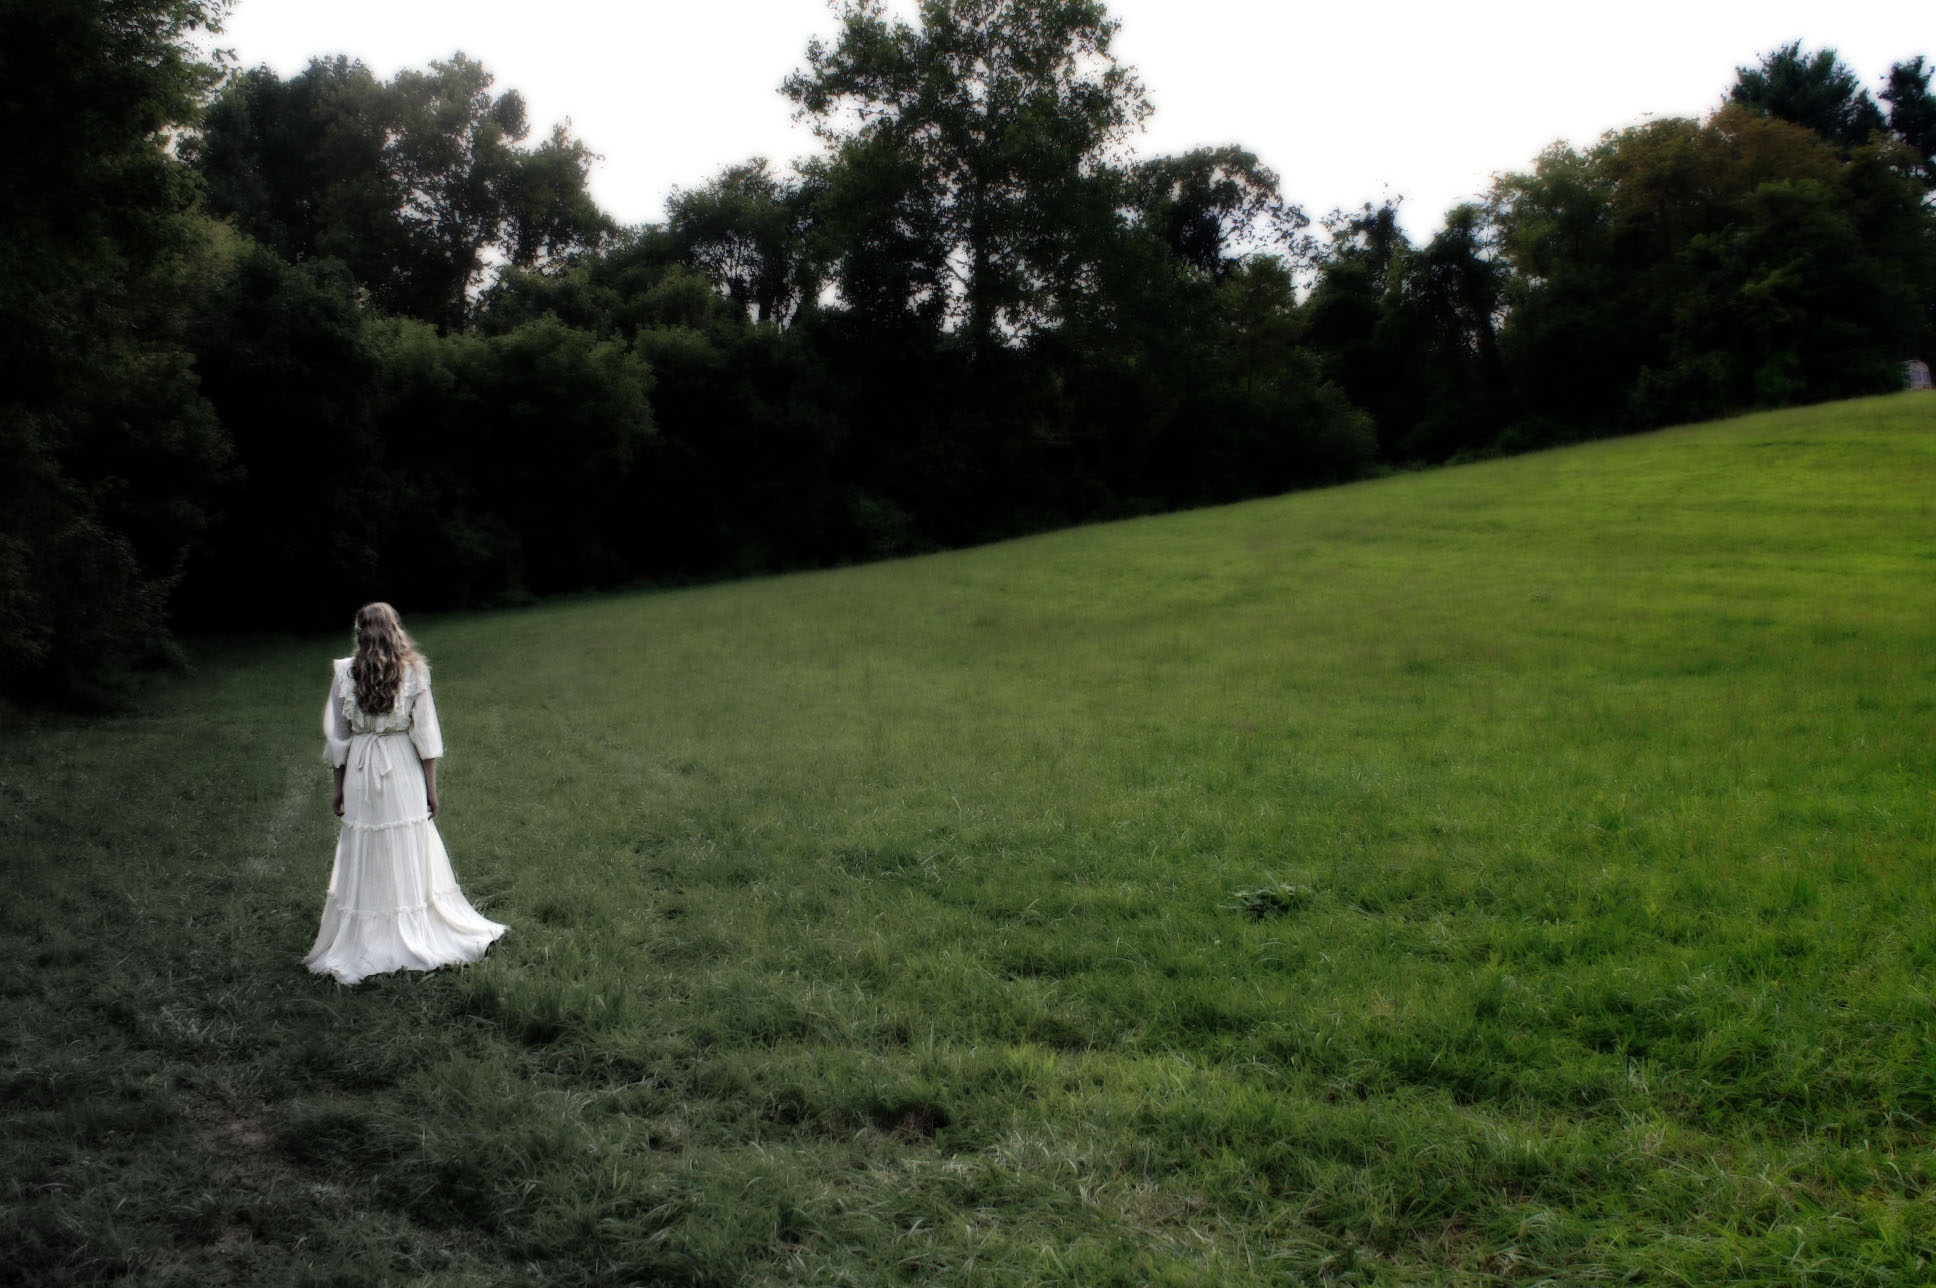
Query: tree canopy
{"points": [[969, 180], [111, 452], [746, 230], [1815, 91], [418, 184], [292, 343]]}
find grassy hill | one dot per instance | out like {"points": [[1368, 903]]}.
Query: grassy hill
{"points": [[1516, 872]]}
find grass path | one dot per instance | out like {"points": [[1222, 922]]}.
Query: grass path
{"points": [[1513, 873]]}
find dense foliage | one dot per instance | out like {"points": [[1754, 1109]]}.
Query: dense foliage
{"points": [[287, 344], [111, 452], [1689, 268], [1783, 250], [409, 183]]}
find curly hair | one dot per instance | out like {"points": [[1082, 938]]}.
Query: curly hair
{"points": [[383, 650]]}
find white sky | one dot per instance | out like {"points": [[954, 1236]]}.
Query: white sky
{"points": [[1347, 102]]}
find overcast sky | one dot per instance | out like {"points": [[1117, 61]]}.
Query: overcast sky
{"points": [[1347, 102]]}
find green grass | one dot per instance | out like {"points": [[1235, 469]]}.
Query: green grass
{"points": [[1514, 873]]}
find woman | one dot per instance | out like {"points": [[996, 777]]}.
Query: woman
{"points": [[393, 900]]}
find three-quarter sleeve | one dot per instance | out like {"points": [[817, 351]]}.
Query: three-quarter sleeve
{"points": [[425, 732], [336, 723]]}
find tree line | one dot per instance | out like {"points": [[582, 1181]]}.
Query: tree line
{"points": [[282, 345]]}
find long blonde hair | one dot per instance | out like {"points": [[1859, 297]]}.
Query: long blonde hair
{"points": [[383, 650]]}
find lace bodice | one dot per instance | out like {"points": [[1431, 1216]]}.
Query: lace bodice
{"points": [[414, 713], [396, 719]]}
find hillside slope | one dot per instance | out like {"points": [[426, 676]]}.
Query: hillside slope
{"points": [[1513, 871]]}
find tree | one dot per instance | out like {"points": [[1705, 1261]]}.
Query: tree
{"points": [[1371, 236], [1273, 420], [1213, 206], [299, 166], [1912, 115], [1816, 91], [509, 460], [969, 182], [1450, 302], [469, 190], [1347, 316], [419, 185], [745, 230], [111, 455], [1684, 269], [1412, 333], [285, 359]]}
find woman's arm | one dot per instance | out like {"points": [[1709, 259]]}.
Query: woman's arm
{"points": [[336, 723], [430, 785], [337, 804]]}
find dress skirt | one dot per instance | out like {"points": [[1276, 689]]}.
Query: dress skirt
{"points": [[393, 902]]}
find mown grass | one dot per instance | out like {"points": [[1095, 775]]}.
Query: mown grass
{"points": [[1514, 873]]}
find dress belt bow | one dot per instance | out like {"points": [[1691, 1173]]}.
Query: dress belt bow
{"points": [[381, 765]]}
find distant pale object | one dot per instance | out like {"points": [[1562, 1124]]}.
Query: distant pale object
{"points": [[1915, 374]]}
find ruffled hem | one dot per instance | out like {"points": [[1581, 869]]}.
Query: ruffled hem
{"points": [[351, 964], [394, 904], [439, 899], [390, 825]]}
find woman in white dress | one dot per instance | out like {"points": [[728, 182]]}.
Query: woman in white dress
{"points": [[393, 900]]}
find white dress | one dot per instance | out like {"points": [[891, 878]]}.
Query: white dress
{"points": [[393, 900]]}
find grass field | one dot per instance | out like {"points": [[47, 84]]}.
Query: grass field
{"points": [[1515, 873]]}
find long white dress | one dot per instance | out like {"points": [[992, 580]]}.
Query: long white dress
{"points": [[393, 900]]}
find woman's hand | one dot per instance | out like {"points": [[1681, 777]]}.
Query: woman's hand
{"points": [[430, 799], [337, 803]]}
